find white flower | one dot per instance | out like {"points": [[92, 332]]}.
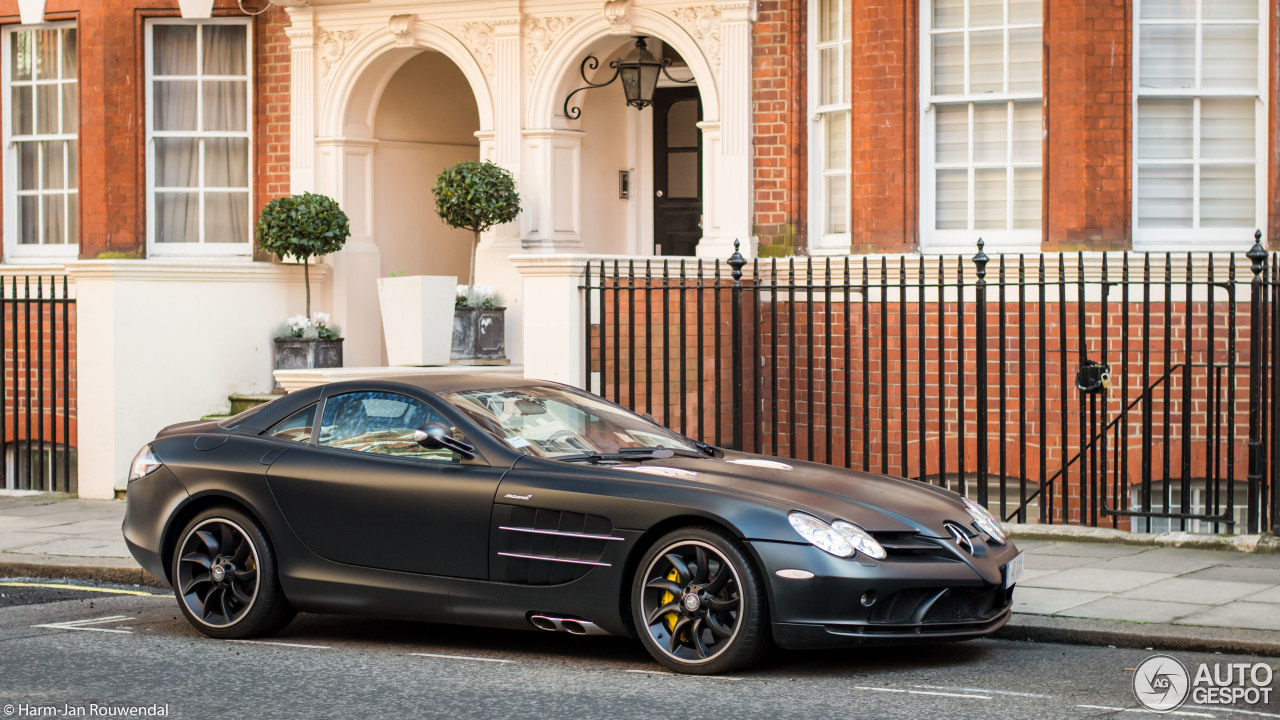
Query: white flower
{"points": [[320, 319], [298, 322], [461, 291]]}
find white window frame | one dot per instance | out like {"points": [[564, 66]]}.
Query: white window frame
{"points": [[13, 250], [1194, 238], [820, 241], [933, 240], [158, 249]]}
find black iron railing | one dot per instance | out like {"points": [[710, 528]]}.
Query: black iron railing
{"points": [[1128, 389], [37, 436]]}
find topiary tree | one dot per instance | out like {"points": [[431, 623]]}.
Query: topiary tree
{"points": [[476, 196], [303, 226]]}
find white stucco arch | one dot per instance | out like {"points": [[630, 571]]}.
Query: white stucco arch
{"points": [[350, 98], [565, 56]]}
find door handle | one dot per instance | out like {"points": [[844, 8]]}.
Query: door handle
{"points": [[659, 193]]}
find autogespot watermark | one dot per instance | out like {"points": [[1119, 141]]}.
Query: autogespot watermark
{"points": [[1162, 683], [27, 710]]}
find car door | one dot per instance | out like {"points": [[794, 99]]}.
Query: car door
{"points": [[362, 491]]}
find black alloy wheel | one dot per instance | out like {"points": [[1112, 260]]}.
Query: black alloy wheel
{"points": [[225, 579], [698, 603]]}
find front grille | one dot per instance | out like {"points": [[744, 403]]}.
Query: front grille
{"points": [[955, 605], [965, 606], [900, 606], [911, 546]]}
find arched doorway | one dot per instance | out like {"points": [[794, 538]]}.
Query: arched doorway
{"points": [[426, 120]]}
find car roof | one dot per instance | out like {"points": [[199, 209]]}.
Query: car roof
{"points": [[453, 382]]}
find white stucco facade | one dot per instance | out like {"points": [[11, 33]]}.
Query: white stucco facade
{"points": [[363, 132]]}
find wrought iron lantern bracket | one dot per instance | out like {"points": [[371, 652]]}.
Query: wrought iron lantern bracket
{"points": [[591, 63]]}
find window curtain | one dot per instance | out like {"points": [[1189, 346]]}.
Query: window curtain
{"points": [[189, 170]]}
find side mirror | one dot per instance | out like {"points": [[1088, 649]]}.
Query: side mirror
{"points": [[436, 436]]}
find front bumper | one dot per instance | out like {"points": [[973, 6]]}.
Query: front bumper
{"points": [[149, 506], [909, 598]]}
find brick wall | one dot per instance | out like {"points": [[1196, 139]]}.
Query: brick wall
{"points": [[779, 87], [886, 127], [1087, 202], [112, 113]]}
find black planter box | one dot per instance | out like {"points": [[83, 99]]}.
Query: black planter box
{"points": [[480, 335], [304, 354]]}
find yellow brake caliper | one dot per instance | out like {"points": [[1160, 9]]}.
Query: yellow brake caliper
{"points": [[671, 618]]}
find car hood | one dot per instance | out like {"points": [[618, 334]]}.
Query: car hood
{"points": [[878, 503]]}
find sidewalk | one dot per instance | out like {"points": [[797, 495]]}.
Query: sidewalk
{"points": [[1079, 587]]}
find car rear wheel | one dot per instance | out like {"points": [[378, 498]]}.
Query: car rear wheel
{"points": [[224, 575], [698, 603]]}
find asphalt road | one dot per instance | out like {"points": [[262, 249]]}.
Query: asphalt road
{"points": [[66, 651]]}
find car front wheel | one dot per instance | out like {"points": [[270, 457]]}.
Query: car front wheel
{"points": [[698, 603], [224, 574]]}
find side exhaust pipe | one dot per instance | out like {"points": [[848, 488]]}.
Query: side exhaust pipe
{"points": [[573, 626]]}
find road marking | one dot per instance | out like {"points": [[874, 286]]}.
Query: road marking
{"points": [[984, 690], [83, 624], [671, 674], [1233, 710], [1145, 711], [460, 657], [84, 588], [281, 644], [923, 692]]}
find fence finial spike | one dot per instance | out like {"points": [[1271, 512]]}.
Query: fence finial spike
{"points": [[1257, 254], [737, 262], [981, 260]]}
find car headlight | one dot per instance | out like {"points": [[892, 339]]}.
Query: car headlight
{"points": [[144, 463], [860, 539], [987, 522], [822, 535]]}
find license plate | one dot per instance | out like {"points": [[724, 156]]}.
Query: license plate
{"points": [[1013, 571]]}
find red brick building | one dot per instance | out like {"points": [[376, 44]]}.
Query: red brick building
{"points": [[107, 138], [1154, 118]]}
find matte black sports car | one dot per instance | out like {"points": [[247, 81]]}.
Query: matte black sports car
{"points": [[526, 504]]}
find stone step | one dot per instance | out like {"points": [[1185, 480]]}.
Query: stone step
{"points": [[240, 403]]}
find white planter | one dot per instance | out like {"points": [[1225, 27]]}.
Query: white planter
{"points": [[417, 318]]}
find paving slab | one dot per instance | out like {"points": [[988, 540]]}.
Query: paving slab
{"points": [[1106, 581], [1113, 608], [1270, 595], [1035, 561], [1238, 614], [1229, 573], [1046, 601], [11, 541], [1096, 551], [1199, 592], [79, 547], [1164, 560]]}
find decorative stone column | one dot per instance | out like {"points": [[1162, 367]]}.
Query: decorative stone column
{"points": [[732, 164], [302, 100], [554, 314]]}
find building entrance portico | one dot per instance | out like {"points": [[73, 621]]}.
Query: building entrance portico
{"points": [[385, 95]]}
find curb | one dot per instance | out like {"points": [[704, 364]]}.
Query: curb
{"points": [[1263, 544], [1145, 636], [120, 575]]}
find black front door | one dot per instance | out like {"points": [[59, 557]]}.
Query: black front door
{"points": [[677, 170]]}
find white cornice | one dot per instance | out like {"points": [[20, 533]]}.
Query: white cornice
{"points": [[190, 271]]}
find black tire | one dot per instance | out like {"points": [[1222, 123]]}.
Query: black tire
{"points": [[725, 627], [224, 576]]}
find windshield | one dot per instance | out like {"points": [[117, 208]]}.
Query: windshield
{"points": [[553, 422]]}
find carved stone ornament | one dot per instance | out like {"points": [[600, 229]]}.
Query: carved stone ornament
{"points": [[478, 38], [333, 45], [616, 12], [703, 23], [403, 28], [539, 34]]}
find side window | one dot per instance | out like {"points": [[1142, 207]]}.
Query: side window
{"points": [[381, 423], [296, 427]]}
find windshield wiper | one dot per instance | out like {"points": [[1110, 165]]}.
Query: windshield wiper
{"points": [[591, 457]]}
